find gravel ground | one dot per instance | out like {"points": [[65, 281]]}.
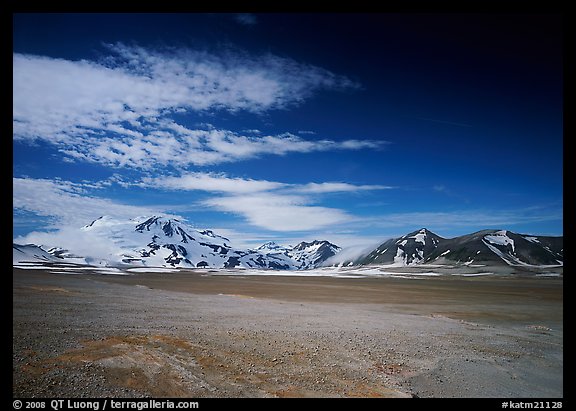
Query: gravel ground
{"points": [[192, 335]]}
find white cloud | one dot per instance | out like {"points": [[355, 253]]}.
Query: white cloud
{"points": [[194, 147], [363, 144], [56, 98], [270, 205], [280, 212], [212, 183], [221, 183], [252, 131], [232, 80], [82, 243], [117, 111], [352, 252], [319, 188]]}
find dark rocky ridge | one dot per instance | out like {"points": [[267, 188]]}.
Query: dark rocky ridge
{"points": [[481, 247]]}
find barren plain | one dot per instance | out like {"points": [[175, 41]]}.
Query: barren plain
{"points": [[204, 334]]}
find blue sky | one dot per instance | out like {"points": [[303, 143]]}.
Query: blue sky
{"points": [[288, 127]]}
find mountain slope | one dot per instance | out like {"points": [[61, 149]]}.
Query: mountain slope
{"points": [[159, 241], [30, 253], [313, 254], [482, 247], [413, 248], [501, 246]]}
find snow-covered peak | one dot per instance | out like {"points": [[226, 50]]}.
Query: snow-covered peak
{"points": [[315, 244], [154, 222], [420, 237], [314, 253], [410, 249], [101, 222], [270, 246]]}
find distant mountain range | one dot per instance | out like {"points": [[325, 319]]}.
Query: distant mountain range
{"points": [[164, 242], [481, 247]]}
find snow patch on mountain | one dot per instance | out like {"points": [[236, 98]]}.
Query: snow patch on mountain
{"points": [[500, 238], [420, 237], [508, 258], [400, 257]]}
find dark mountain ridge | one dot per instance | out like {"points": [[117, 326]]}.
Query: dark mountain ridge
{"points": [[481, 247]]}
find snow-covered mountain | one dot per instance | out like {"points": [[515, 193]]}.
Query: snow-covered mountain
{"points": [[165, 242], [313, 254], [413, 248], [487, 246], [501, 246], [303, 256], [30, 253]]}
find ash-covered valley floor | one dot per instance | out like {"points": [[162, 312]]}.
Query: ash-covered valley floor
{"points": [[200, 334]]}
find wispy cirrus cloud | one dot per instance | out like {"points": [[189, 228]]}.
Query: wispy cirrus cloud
{"points": [[118, 111], [188, 147], [210, 182], [134, 82], [221, 183], [280, 212], [330, 187], [232, 80]]}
